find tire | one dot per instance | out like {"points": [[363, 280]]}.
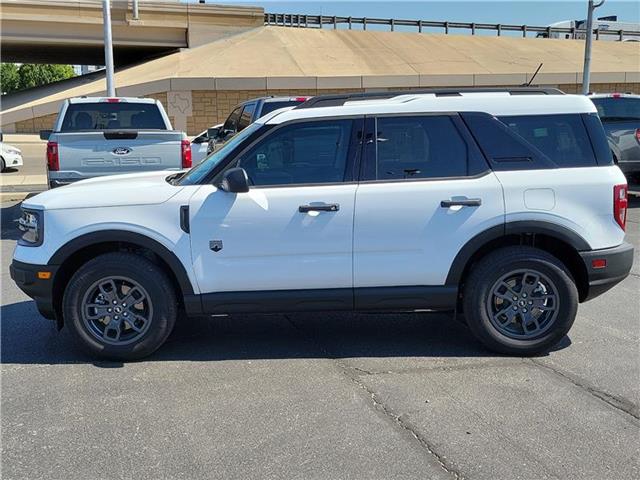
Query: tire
{"points": [[3, 165], [107, 283], [543, 316]]}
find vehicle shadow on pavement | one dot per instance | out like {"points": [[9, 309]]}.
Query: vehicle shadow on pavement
{"points": [[9, 227], [27, 338]]}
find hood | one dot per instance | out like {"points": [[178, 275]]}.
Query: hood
{"points": [[147, 188]]}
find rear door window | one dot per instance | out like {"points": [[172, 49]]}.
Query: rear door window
{"points": [[562, 138], [415, 147], [112, 116]]}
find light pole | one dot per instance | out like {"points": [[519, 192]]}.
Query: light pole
{"points": [[586, 70], [108, 48]]}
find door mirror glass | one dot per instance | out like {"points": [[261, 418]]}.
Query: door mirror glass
{"points": [[212, 132], [45, 134], [235, 180]]}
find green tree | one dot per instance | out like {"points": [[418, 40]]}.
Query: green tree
{"points": [[35, 74], [9, 78]]}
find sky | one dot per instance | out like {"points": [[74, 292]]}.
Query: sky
{"points": [[539, 13]]}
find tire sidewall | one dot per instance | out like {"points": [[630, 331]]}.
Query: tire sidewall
{"points": [[141, 271], [482, 326]]}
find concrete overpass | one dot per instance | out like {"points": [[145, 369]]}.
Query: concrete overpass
{"points": [[44, 31]]}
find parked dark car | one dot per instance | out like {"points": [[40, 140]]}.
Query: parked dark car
{"points": [[246, 113], [620, 116]]}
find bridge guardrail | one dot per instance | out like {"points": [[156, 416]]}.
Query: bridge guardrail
{"points": [[319, 21]]}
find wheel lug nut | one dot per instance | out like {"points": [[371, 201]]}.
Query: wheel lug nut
{"points": [[515, 298], [524, 295], [114, 302], [530, 302], [515, 307], [109, 310], [524, 310], [116, 317]]}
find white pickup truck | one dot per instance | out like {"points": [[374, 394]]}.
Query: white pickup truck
{"points": [[96, 136]]}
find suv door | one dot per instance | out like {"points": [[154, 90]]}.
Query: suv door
{"points": [[425, 191], [292, 232]]}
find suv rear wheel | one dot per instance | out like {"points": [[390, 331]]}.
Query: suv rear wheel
{"points": [[120, 306], [520, 300]]}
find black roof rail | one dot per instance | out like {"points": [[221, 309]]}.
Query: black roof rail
{"points": [[341, 99]]}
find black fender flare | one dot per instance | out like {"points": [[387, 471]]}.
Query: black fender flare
{"points": [[106, 236], [550, 229]]}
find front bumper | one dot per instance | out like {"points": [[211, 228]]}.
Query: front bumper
{"points": [[25, 275], [618, 265]]}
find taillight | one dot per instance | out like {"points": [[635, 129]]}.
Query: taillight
{"points": [[186, 154], [620, 204], [53, 160], [638, 135], [301, 99]]}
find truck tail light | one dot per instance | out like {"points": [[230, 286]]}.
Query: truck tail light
{"points": [[186, 154], [620, 204], [53, 160]]}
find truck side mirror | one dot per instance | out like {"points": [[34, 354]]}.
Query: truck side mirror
{"points": [[45, 134], [212, 132], [235, 180]]}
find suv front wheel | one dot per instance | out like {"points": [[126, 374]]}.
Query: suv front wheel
{"points": [[520, 300], [120, 306]]}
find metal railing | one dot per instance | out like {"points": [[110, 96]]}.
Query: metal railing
{"points": [[319, 21]]}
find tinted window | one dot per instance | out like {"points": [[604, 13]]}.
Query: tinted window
{"points": [[105, 116], [199, 172], [621, 108], [232, 121], [562, 138], [247, 114], [269, 107], [418, 147], [310, 152]]}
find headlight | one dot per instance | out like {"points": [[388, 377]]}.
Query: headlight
{"points": [[31, 224], [14, 151]]}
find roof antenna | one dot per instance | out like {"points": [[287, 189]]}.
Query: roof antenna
{"points": [[528, 84]]}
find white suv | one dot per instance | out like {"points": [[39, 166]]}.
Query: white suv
{"points": [[503, 205]]}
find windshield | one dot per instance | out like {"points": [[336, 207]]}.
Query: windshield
{"points": [[201, 170], [622, 108]]}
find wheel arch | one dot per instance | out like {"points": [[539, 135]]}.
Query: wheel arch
{"points": [[555, 239], [70, 256]]}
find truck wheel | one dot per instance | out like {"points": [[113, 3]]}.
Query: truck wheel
{"points": [[520, 300], [120, 306]]}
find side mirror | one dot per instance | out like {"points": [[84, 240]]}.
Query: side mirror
{"points": [[45, 134], [213, 132], [235, 180]]}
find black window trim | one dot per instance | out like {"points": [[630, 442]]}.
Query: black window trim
{"points": [[475, 155], [352, 166]]}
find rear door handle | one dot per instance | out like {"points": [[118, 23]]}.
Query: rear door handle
{"points": [[324, 207], [469, 202]]}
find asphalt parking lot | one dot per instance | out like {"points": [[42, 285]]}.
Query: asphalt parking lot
{"points": [[323, 396]]}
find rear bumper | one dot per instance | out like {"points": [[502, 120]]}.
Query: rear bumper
{"points": [[25, 275], [618, 265]]}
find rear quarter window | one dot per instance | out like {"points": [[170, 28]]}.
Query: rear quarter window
{"points": [[112, 116], [562, 138]]}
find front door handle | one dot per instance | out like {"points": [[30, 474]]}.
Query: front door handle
{"points": [[468, 202], [323, 207]]}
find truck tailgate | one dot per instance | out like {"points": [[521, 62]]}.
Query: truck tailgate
{"points": [[113, 152]]}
